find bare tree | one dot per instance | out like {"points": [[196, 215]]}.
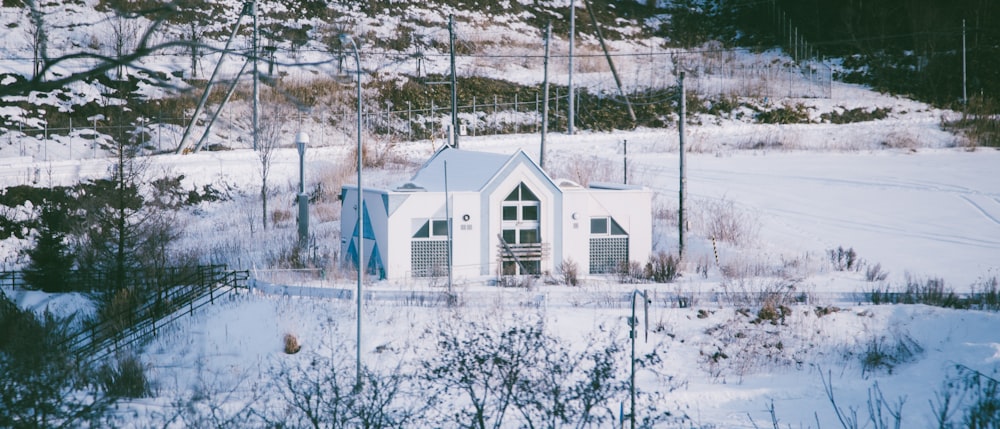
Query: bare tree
{"points": [[270, 128], [36, 37], [123, 33], [484, 367], [94, 62], [570, 389]]}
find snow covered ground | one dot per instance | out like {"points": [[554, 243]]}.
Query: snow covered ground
{"points": [[930, 211], [900, 192]]}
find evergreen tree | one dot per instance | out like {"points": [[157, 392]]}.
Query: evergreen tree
{"points": [[51, 260]]}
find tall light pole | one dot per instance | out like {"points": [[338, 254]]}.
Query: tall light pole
{"points": [[632, 322], [572, 36], [361, 206], [301, 140], [256, 82]]}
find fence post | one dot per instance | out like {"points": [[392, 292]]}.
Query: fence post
{"points": [[496, 121], [537, 117], [517, 123], [475, 117], [555, 111]]}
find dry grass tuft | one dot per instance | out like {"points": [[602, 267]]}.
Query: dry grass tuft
{"points": [[292, 345]]}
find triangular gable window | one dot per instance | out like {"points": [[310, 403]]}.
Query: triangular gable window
{"points": [[424, 231], [605, 225], [526, 194], [513, 195], [617, 229], [521, 193]]}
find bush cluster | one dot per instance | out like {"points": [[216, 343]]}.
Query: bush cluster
{"points": [[858, 114], [787, 114], [934, 291]]}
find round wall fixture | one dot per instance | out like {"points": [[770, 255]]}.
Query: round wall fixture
{"points": [[466, 217], [574, 216]]}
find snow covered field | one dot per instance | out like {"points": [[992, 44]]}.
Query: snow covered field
{"points": [[926, 212], [901, 192]]}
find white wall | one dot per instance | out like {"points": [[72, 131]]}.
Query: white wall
{"points": [[631, 208]]}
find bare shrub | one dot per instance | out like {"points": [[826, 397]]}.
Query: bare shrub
{"points": [[969, 396], [326, 212], [881, 413], [662, 267], [125, 377], [292, 345], [874, 273], [332, 178], [725, 222], [665, 213], [583, 170], [769, 140], [979, 122], [568, 271], [378, 153], [987, 294], [281, 216], [887, 352], [772, 312], [899, 140], [843, 259], [630, 272], [759, 292]]}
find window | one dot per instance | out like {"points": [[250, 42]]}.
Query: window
{"points": [[605, 226], [608, 245], [529, 212], [510, 213], [437, 229], [599, 225], [521, 212], [520, 230], [440, 228], [429, 249]]}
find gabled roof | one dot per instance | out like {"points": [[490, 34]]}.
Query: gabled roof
{"points": [[467, 170]]}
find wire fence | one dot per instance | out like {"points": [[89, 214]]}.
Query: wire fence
{"points": [[483, 116]]}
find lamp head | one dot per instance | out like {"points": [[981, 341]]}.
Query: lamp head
{"points": [[301, 140]]}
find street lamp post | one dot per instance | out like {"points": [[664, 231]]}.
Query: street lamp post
{"points": [[632, 322], [361, 205], [301, 140]]}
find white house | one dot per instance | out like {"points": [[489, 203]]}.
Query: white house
{"points": [[507, 215]]}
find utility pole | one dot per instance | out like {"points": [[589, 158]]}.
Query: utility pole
{"points": [[451, 240], [256, 84], [611, 64], [625, 166], [572, 35], [545, 102], [454, 87], [965, 97], [683, 181]]}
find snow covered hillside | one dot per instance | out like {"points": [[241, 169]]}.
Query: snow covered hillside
{"points": [[766, 325]]}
